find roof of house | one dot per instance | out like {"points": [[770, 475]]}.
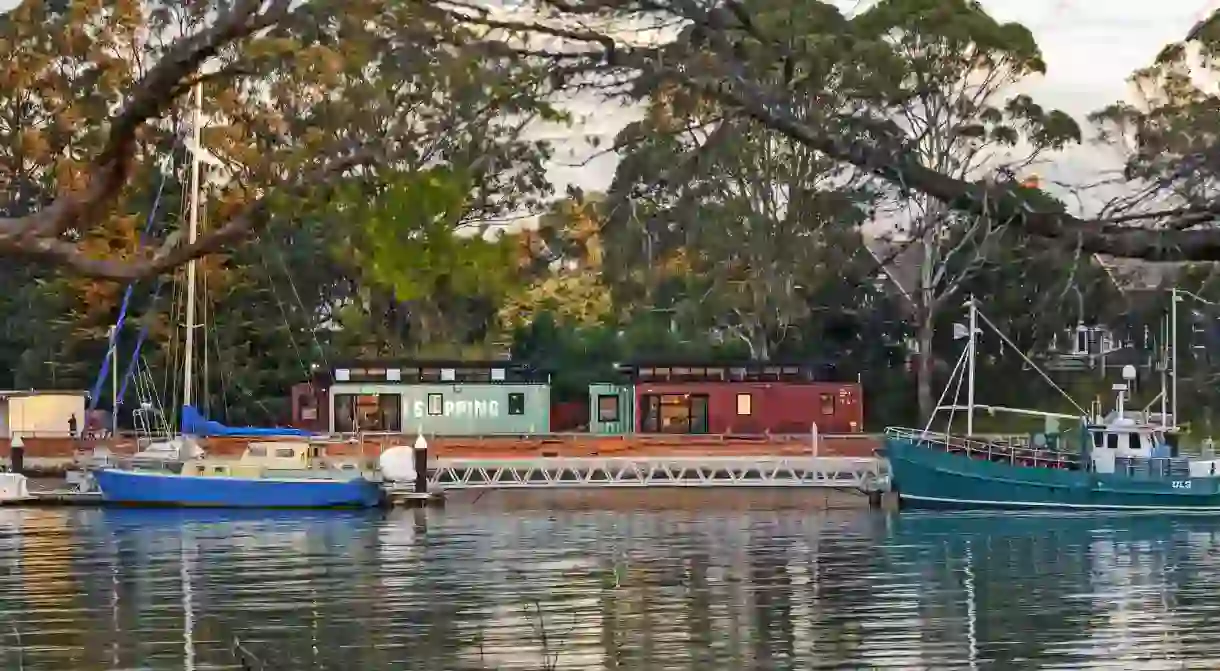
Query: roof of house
{"points": [[900, 261]]}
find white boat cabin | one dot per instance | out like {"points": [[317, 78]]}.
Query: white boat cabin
{"points": [[1125, 439]]}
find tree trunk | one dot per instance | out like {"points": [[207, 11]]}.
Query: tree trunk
{"points": [[923, 368]]}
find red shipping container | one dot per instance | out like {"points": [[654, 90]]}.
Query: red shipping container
{"points": [[749, 408]]}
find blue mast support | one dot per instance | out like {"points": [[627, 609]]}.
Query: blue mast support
{"points": [[95, 393], [135, 354]]}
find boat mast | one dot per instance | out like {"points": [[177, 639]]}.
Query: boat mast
{"points": [[974, 327], [1173, 340], [1163, 338], [192, 235]]}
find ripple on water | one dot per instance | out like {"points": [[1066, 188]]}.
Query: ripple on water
{"points": [[486, 589]]}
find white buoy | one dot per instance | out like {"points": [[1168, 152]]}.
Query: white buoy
{"points": [[397, 464]]}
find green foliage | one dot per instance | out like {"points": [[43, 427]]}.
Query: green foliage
{"points": [[405, 237]]}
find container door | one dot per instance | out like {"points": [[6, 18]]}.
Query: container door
{"points": [[650, 408], [698, 413]]}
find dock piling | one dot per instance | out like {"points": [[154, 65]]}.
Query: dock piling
{"points": [[16, 454]]}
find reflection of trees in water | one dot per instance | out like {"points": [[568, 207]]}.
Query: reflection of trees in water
{"points": [[751, 592]]}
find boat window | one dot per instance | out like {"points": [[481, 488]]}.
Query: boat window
{"points": [[200, 469], [745, 404], [314, 452], [1112, 440], [1099, 439], [516, 403], [285, 452], [607, 408], [219, 470], [257, 451], [436, 404], [828, 404]]}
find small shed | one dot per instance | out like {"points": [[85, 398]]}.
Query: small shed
{"points": [[611, 409], [41, 414]]}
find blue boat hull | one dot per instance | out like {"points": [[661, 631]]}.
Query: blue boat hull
{"points": [[929, 478], [143, 488]]}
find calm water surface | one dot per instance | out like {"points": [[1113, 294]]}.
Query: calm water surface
{"points": [[480, 588]]}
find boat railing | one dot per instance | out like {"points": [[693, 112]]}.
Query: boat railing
{"points": [[1153, 468], [1013, 452]]}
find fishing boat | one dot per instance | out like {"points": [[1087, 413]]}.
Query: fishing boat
{"points": [[273, 474], [1122, 461]]}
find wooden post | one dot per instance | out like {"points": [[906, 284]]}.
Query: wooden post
{"points": [[421, 466]]}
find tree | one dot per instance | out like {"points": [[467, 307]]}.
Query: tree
{"points": [[563, 260], [747, 227], [714, 59], [282, 79], [943, 82]]}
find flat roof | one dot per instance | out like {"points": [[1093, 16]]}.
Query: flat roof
{"points": [[10, 393]]}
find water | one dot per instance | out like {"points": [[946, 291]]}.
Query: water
{"points": [[488, 588]]}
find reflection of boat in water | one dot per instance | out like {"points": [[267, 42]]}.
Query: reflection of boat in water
{"points": [[989, 524], [277, 474], [1122, 462], [1068, 589], [120, 518]]}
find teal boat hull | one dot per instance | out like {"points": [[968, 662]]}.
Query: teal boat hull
{"points": [[925, 477]]}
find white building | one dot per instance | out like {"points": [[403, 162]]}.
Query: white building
{"points": [[40, 414]]}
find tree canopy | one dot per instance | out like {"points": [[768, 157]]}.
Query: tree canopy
{"points": [[799, 182]]}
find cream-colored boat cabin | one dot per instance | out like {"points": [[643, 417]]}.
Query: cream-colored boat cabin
{"points": [[278, 459]]}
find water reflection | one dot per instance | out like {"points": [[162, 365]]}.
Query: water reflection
{"points": [[472, 588]]}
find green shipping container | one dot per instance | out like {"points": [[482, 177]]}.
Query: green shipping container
{"points": [[611, 409], [444, 409]]}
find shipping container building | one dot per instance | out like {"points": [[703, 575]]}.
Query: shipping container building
{"points": [[446, 398], [729, 398]]}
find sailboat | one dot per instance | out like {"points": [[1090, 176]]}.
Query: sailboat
{"points": [[1125, 460], [275, 474]]}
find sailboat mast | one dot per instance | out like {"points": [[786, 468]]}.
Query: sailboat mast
{"points": [[191, 236], [974, 328]]}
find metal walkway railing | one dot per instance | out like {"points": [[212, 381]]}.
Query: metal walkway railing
{"points": [[832, 472]]}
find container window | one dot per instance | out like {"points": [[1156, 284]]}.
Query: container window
{"points": [[828, 404], [516, 403], [745, 404], [368, 412], [345, 413], [436, 404], [607, 408]]}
